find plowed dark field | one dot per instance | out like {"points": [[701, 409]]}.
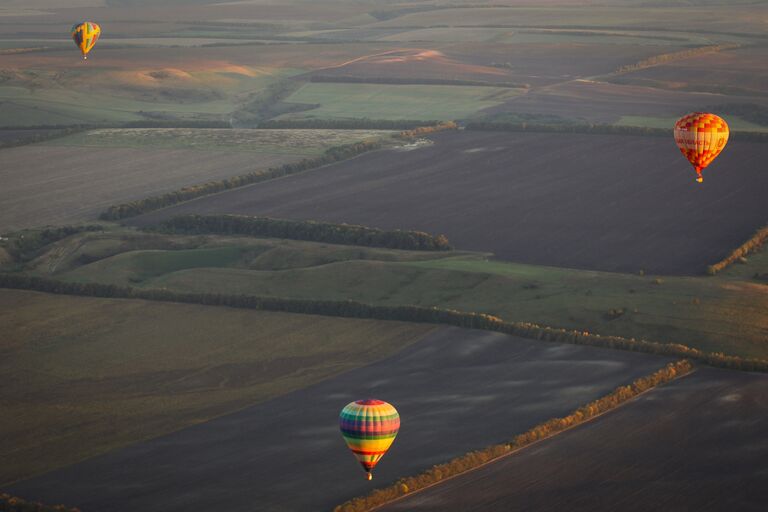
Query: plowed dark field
{"points": [[605, 202], [456, 390], [696, 444]]}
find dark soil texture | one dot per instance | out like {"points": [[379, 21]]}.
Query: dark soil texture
{"points": [[602, 202], [695, 444], [456, 390]]}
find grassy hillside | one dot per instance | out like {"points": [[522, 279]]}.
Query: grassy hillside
{"points": [[83, 376], [724, 313], [383, 101]]}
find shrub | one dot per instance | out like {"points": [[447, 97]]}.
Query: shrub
{"points": [[304, 230]]}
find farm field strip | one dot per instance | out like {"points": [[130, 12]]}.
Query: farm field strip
{"points": [[694, 444], [83, 376], [465, 371], [508, 183], [292, 142], [385, 101], [58, 185]]}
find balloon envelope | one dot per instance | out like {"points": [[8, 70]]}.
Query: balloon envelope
{"points": [[701, 137], [369, 427], [85, 36]]}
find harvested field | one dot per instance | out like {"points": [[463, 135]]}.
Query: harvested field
{"points": [[553, 62], [618, 203], [415, 63], [474, 388], [536, 64], [729, 18], [291, 142], [59, 185], [737, 73], [602, 102], [83, 376], [695, 444]]}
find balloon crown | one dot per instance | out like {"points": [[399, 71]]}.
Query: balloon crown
{"points": [[369, 401]]}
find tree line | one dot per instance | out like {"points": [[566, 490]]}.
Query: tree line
{"points": [[752, 245], [309, 230], [598, 129], [10, 503], [141, 206], [353, 309], [595, 129], [420, 131], [544, 430], [673, 56]]}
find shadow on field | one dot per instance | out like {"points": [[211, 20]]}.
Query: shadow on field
{"points": [[695, 444], [456, 390], [603, 202]]}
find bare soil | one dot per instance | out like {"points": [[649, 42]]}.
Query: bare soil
{"points": [[456, 390], [695, 444], [604, 202]]}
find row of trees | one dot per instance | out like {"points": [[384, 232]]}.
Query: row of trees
{"points": [[673, 56], [334, 154], [748, 247], [313, 231], [420, 131], [544, 430], [352, 309], [599, 129], [10, 503], [595, 129]]}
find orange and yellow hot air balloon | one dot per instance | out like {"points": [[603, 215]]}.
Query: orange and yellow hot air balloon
{"points": [[369, 427], [85, 35], [701, 137]]}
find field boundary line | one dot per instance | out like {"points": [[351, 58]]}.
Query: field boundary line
{"points": [[353, 309], [750, 246], [666, 374]]}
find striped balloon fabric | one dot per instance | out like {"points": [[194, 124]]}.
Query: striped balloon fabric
{"points": [[701, 137], [369, 427], [85, 36]]}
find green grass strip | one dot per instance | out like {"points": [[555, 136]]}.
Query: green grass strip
{"points": [[352, 309]]}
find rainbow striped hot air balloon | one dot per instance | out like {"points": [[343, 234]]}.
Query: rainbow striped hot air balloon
{"points": [[701, 137], [85, 35], [369, 427]]}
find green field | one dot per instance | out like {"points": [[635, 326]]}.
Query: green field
{"points": [[44, 97], [294, 142], [724, 313], [82, 376], [382, 101]]}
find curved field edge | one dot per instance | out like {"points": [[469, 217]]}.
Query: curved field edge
{"points": [[720, 314], [84, 376], [550, 428]]}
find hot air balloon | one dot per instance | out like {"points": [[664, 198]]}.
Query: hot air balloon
{"points": [[701, 137], [85, 36], [369, 427]]}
